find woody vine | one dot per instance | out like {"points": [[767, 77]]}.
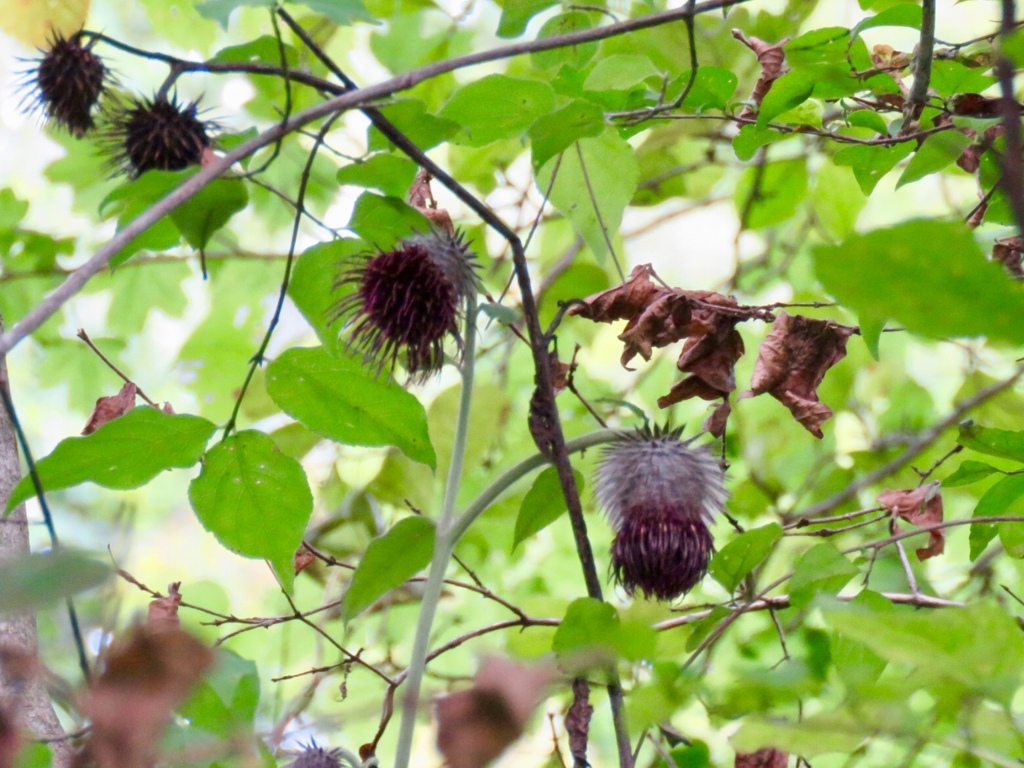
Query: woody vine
{"points": [[700, 562]]}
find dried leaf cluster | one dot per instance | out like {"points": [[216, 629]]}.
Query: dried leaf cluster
{"points": [[791, 363]]}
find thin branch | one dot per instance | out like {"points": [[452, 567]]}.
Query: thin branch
{"points": [[913, 450], [922, 68], [340, 103], [85, 337]]}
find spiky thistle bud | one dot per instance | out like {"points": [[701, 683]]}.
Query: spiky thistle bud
{"points": [[161, 134], [66, 83], [403, 302], [315, 756], [659, 494]]}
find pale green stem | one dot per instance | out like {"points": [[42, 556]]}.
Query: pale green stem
{"points": [[520, 470], [443, 543]]}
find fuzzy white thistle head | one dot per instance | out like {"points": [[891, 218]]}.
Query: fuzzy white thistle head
{"points": [[659, 494]]}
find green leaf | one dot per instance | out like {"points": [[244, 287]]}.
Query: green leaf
{"points": [[542, 505], [389, 173], [37, 580], [410, 116], [902, 15], [1002, 498], [740, 556], [209, 210], [312, 286], [620, 72], [220, 10], [12, 210], [781, 191], [837, 200], [918, 273], [951, 77], [254, 499], [227, 696], [384, 221], [871, 163], [968, 473], [515, 14], [343, 12], [497, 107], [575, 56], [978, 647], [938, 151], [338, 398], [821, 569], [789, 91], [712, 88], [389, 562], [554, 133], [592, 635], [124, 453], [501, 313], [1004, 443], [812, 736], [596, 180]]}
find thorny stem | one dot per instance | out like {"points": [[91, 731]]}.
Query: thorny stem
{"points": [[1012, 181], [922, 68], [444, 542]]}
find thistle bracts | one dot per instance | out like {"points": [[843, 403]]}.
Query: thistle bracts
{"points": [[66, 83], [404, 302], [659, 494]]}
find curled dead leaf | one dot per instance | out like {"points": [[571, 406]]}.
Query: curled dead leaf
{"points": [[577, 720], [658, 315], [1009, 251], [792, 363], [768, 757], [10, 739], [163, 611], [421, 197], [146, 676], [303, 559], [772, 59], [919, 506], [476, 725], [109, 408]]}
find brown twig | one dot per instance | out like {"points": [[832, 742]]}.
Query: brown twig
{"points": [[85, 337]]}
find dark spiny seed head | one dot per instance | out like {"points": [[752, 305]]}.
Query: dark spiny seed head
{"points": [[314, 756], [66, 83], [659, 494], [160, 134], [404, 302]]}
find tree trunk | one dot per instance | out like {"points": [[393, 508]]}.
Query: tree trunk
{"points": [[26, 698]]}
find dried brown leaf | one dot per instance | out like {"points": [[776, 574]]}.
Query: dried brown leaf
{"points": [[624, 302], [577, 720], [10, 739], [919, 506], [422, 199], [109, 408], [146, 676], [716, 422], [303, 559], [476, 725], [1009, 251], [163, 611], [768, 757], [664, 321], [772, 59], [792, 363]]}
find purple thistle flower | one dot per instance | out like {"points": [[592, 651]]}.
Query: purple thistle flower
{"points": [[659, 494], [407, 300]]}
